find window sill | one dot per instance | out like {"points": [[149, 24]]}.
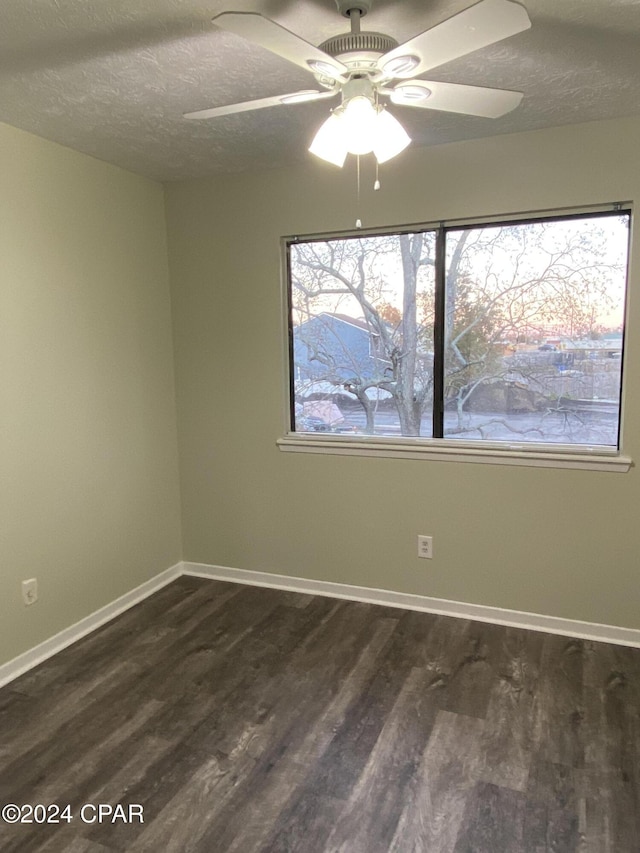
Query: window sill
{"points": [[445, 451]]}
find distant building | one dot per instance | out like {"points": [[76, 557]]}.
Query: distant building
{"points": [[336, 348]]}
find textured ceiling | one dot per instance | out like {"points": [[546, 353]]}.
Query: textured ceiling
{"points": [[112, 78]]}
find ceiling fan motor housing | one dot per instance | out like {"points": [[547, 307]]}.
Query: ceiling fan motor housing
{"points": [[358, 51], [376, 43]]}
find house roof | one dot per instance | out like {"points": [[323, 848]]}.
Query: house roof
{"points": [[359, 322]]}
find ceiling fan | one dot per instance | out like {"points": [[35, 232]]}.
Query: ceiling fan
{"points": [[364, 67]]}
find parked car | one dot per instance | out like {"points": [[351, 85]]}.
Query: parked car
{"points": [[309, 423]]}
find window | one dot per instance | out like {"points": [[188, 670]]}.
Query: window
{"points": [[506, 333]]}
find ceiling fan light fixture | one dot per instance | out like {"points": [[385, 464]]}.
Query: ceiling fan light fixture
{"points": [[401, 66], [359, 127], [329, 142], [360, 65], [390, 138]]}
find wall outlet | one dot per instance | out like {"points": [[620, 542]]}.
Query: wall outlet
{"points": [[425, 547], [30, 591]]}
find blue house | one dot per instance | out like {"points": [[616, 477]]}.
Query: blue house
{"points": [[337, 348]]}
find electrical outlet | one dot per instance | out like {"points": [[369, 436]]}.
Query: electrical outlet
{"points": [[30, 591], [425, 547]]}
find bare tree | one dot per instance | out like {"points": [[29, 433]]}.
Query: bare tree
{"points": [[514, 285], [350, 274]]}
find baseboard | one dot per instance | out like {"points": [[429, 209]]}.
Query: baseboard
{"points": [[26, 661], [476, 612]]}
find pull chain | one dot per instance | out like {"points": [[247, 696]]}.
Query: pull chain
{"points": [[376, 183], [358, 221]]}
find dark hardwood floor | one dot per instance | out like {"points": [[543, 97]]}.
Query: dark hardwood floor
{"points": [[248, 720]]}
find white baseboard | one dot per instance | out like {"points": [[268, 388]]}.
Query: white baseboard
{"points": [[407, 601], [13, 668], [476, 612]]}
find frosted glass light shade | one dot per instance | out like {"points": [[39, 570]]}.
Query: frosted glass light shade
{"points": [[390, 137], [359, 128], [329, 142]]}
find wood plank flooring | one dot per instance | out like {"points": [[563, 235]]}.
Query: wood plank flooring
{"points": [[248, 720]]}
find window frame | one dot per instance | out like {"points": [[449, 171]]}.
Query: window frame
{"points": [[439, 448]]}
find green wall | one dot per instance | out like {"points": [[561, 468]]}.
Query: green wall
{"points": [[89, 492], [549, 541], [89, 500]]}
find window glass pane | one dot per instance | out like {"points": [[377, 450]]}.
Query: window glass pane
{"points": [[533, 331], [362, 334]]}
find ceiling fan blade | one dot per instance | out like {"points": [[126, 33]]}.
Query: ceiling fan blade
{"points": [[266, 33], [478, 26], [293, 98], [454, 98]]}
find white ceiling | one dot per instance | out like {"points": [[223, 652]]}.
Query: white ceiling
{"points": [[112, 78]]}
